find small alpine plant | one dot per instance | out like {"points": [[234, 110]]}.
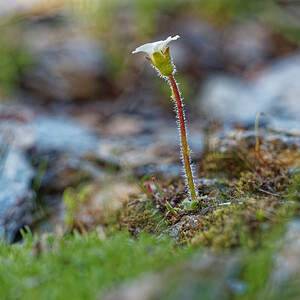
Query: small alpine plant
{"points": [[160, 58]]}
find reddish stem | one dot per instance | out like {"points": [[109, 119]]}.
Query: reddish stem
{"points": [[185, 150]]}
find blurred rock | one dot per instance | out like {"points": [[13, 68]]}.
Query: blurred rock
{"points": [[199, 47], [275, 92], [65, 145], [62, 143], [68, 64], [16, 194], [279, 86], [247, 43], [16, 173], [71, 154], [205, 47], [61, 134], [155, 150], [223, 97], [16, 125], [124, 125]]}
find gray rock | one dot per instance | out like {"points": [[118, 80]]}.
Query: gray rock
{"points": [[68, 64], [65, 145], [247, 42], [203, 45], [157, 151], [16, 126], [59, 140], [275, 92], [226, 98], [16, 194], [61, 134]]}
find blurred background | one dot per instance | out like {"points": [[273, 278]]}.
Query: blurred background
{"points": [[80, 115]]}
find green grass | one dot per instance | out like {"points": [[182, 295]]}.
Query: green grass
{"points": [[79, 267], [258, 264], [86, 266]]}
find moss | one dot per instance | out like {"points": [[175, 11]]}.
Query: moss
{"points": [[237, 224], [231, 212], [233, 218], [141, 216]]}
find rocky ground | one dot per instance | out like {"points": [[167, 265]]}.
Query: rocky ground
{"points": [[81, 134]]}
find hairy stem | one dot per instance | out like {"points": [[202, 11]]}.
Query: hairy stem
{"points": [[185, 150]]}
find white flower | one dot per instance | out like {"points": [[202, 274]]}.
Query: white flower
{"points": [[160, 46]]}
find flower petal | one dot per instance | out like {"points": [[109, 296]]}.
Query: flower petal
{"points": [[162, 45], [147, 48], [159, 46]]}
